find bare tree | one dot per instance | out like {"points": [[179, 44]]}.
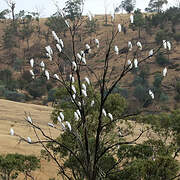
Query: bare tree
{"points": [[90, 137], [11, 5]]}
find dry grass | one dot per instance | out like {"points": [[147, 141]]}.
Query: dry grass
{"points": [[12, 115]]}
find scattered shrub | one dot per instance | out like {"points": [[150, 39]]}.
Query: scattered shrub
{"points": [[161, 59], [51, 95], [163, 97], [18, 64], [157, 80], [177, 37], [37, 88], [160, 35], [14, 96], [140, 93]]}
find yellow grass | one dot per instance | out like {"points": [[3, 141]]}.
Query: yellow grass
{"points": [[12, 115]]}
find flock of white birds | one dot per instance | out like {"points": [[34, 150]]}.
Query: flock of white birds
{"points": [[74, 66]]}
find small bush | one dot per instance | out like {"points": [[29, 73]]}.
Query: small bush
{"points": [[5, 76], [178, 87], [37, 88], [177, 37], [18, 64], [161, 59], [14, 96], [160, 35], [177, 97], [157, 80], [141, 94], [52, 95], [2, 90], [163, 97]]}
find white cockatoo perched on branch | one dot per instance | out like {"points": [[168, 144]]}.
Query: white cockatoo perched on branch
{"points": [[49, 52], [51, 125], [110, 116], [83, 60], [69, 125], [165, 71], [74, 66], [129, 45], [79, 56], [168, 45], [139, 45], [55, 36], [47, 74], [151, 94], [29, 140], [131, 19], [104, 112], [151, 52], [32, 73], [119, 28], [61, 43], [12, 132], [97, 43], [59, 48], [76, 116], [92, 103], [78, 112], [56, 76], [135, 63], [29, 119], [67, 23], [73, 89], [84, 86], [59, 119], [87, 80], [164, 44], [32, 62], [84, 93], [116, 50], [129, 63], [42, 65], [61, 116]]}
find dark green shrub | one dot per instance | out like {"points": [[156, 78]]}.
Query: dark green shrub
{"points": [[52, 95], [14, 96], [123, 92], [18, 64], [37, 88], [157, 80], [161, 59], [178, 87], [12, 85], [160, 36], [2, 90], [177, 37], [141, 93], [177, 97], [5, 76], [163, 97]]}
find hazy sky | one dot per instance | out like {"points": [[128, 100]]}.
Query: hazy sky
{"points": [[47, 7]]}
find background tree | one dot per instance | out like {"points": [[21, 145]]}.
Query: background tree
{"points": [[56, 23], [139, 21], [128, 5], [73, 9], [12, 5], [156, 5], [4, 13]]}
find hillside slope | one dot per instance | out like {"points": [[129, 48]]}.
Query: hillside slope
{"points": [[12, 115]]}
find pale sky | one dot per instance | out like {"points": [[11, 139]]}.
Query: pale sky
{"points": [[47, 7]]}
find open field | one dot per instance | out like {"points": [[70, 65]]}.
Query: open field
{"points": [[12, 115]]}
